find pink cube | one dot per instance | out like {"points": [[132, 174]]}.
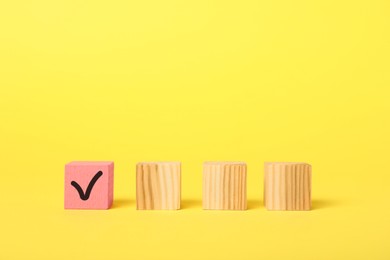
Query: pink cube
{"points": [[89, 185]]}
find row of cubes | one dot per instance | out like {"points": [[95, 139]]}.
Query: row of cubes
{"points": [[287, 185]]}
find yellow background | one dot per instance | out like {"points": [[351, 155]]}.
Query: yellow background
{"points": [[192, 81]]}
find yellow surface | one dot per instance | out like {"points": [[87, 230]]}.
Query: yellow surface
{"points": [[250, 81]]}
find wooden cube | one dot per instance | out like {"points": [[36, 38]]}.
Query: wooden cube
{"points": [[158, 185], [224, 186], [287, 186], [89, 185]]}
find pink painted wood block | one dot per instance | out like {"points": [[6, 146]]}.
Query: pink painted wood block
{"points": [[89, 185]]}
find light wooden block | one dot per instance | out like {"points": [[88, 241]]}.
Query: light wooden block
{"points": [[89, 185], [158, 185], [287, 186], [224, 186]]}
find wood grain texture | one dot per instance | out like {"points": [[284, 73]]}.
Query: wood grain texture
{"points": [[158, 185], [287, 186], [224, 186]]}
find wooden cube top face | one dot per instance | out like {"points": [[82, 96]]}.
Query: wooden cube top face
{"points": [[287, 186], [280, 166], [88, 185], [158, 185], [223, 163], [224, 186], [160, 163]]}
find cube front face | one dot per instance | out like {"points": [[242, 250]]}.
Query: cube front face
{"points": [[158, 185], [224, 186], [89, 185], [287, 186]]}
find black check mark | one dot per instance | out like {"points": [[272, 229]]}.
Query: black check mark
{"points": [[85, 196]]}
